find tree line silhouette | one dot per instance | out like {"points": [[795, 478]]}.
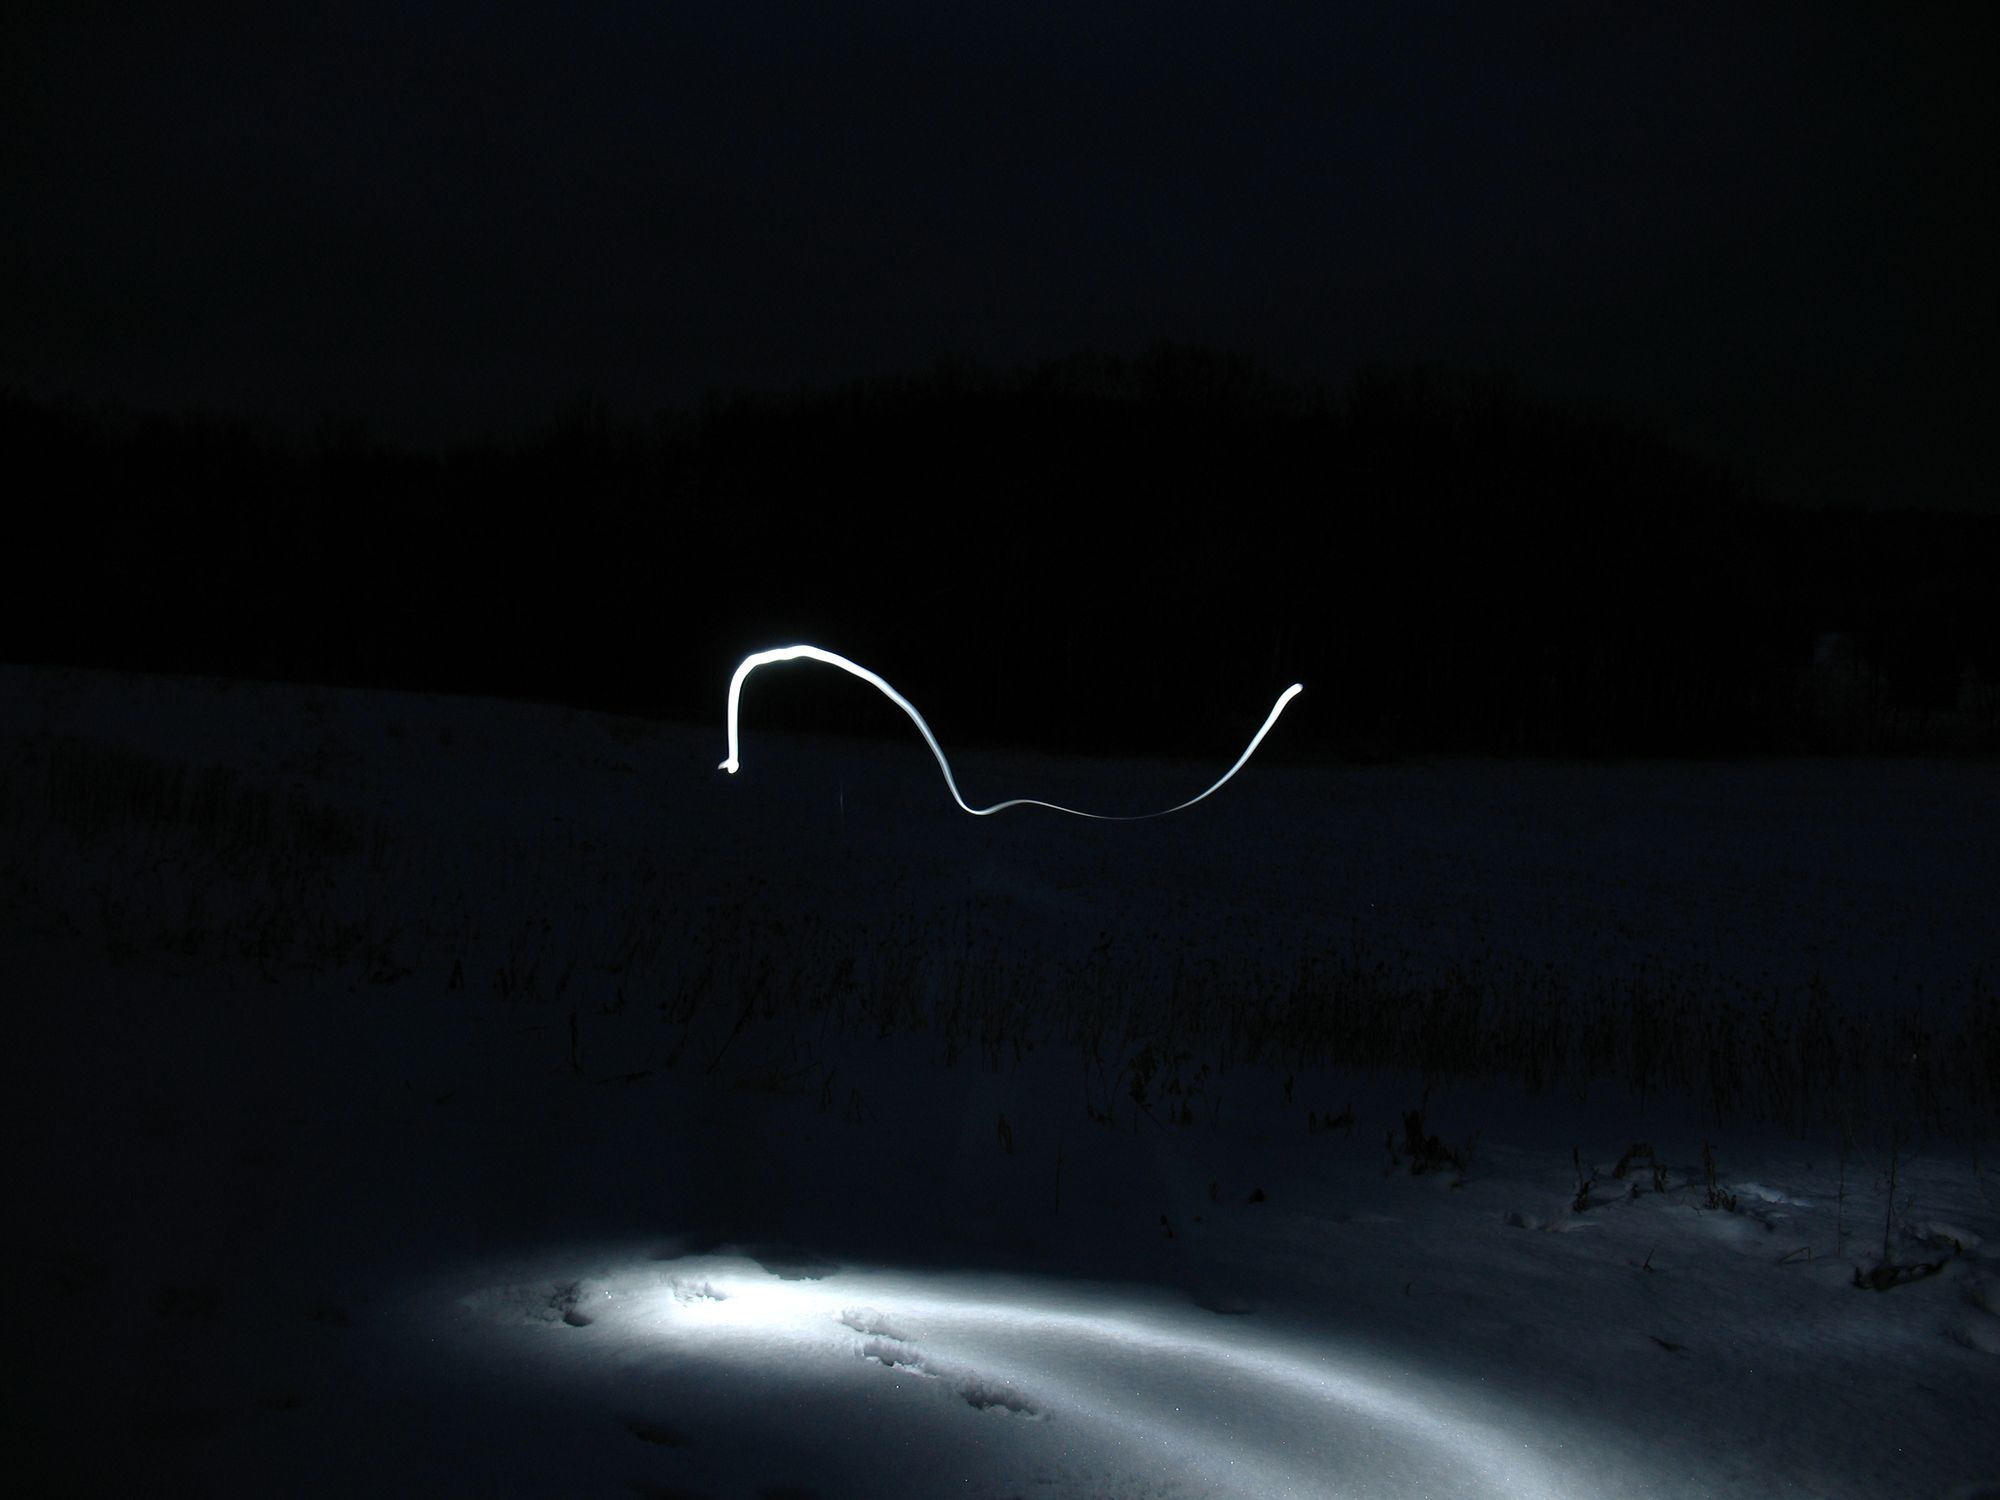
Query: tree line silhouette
{"points": [[1099, 554]]}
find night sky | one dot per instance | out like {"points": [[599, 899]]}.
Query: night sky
{"points": [[1768, 228]]}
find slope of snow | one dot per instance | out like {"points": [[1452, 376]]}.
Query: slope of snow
{"points": [[392, 1120]]}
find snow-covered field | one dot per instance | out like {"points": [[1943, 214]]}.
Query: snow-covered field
{"points": [[434, 1097]]}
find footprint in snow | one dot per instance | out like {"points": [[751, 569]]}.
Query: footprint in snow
{"points": [[567, 1302], [690, 1289], [892, 1351], [866, 1320], [896, 1355]]}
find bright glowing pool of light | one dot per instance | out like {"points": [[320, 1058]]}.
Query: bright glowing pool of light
{"points": [[1147, 1385]]}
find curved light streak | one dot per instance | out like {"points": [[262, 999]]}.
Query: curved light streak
{"points": [[758, 659]]}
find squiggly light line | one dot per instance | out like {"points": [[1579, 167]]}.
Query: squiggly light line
{"points": [[758, 659]]}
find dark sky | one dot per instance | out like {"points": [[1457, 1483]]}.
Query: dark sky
{"points": [[1771, 227]]}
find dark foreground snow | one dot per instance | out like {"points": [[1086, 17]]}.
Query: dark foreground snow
{"points": [[391, 1121]]}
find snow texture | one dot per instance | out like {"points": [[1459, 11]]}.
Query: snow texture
{"points": [[390, 1119]]}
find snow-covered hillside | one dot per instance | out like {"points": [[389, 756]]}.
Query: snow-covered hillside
{"points": [[419, 1096]]}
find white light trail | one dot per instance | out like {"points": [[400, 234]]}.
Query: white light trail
{"points": [[758, 659]]}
